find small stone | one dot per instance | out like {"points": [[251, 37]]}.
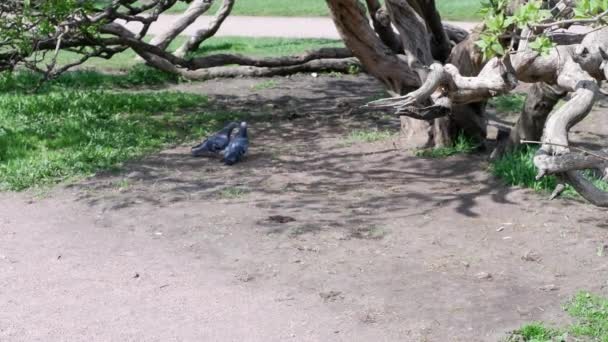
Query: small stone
{"points": [[134, 174], [500, 229], [314, 74], [549, 287], [484, 276], [331, 296], [531, 256], [245, 277]]}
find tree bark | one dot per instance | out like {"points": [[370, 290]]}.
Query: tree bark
{"points": [[200, 36], [401, 61], [195, 10], [540, 101]]}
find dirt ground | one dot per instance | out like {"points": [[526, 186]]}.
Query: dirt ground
{"points": [[370, 243]]}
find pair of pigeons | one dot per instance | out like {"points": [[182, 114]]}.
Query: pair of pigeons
{"points": [[233, 149]]}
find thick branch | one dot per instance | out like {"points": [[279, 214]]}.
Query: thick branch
{"points": [[195, 10], [201, 35]]}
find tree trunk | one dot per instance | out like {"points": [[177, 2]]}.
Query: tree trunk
{"points": [[195, 10], [401, 60], [201, 35], [539, 103]]}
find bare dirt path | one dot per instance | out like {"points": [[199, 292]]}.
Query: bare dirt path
{"points": [[288, 27], [380, 245]]}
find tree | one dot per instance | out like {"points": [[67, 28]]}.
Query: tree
{"points": [[525, 41], [33, 32], [401, 59]]}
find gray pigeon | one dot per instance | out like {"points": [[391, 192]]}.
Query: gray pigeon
{"points": [[237, 147], [216, 142]]}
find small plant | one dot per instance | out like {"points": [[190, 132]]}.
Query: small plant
{"points": [[233, 192], [268, 84], [122, 184], [367, 136], [517, 168], [354, 69], [590, 313], [463, 144], [536, 332], [512, 103], [369, 233]]}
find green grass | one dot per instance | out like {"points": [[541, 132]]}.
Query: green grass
{"points": [[590, 313], [233, 192], [254, 47], [70, 128], [517, 168], [366, 136], [511, 103], [459, 10], [450, 10], [463, 144], [268, 84], [139, 75]]}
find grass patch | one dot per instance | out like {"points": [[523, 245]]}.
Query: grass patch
{"points": [[58, 135], [268, 84], [255, 47], [367, 136], [517, 168], [233, 192], [536, 332], [139, 75], [450, 10], [511, 103], [369, 233], [463, 144], [590, 312]]}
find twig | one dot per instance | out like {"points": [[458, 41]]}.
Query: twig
{"points": [[573, 21], [562, 145]]}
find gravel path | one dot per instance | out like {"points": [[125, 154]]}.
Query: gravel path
{"points": [[266, 26]]}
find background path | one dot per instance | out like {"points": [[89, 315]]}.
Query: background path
{"points": [[292, 27]]}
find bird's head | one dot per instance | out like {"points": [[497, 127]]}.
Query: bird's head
{"points": [[243, 129], [230, 127]]}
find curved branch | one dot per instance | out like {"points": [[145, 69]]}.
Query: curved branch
{"points": [[201, 35]]}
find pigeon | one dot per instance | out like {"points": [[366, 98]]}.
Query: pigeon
{"points": [[237, 147], [215, 143]]}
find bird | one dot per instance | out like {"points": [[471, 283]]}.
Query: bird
{"points": [[237, 148], [216, 142]]}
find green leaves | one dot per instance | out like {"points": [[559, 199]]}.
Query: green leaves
{"points": [[590, 8], [498, 25], [530, 14], [490, 46], [542, 45]]}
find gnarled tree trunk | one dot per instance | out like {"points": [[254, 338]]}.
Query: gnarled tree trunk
{"points": [[401, 59]]}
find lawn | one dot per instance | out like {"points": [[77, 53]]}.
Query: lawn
{"points": [[243, 45], [463, 10], [590, 313], [72, 128]]}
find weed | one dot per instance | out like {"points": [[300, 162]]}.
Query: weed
{"points": [[233, 192], [511, 103], [590, 312], [367, 136], [517, 168], [369, 233], [463, 144], [268, 84]]}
